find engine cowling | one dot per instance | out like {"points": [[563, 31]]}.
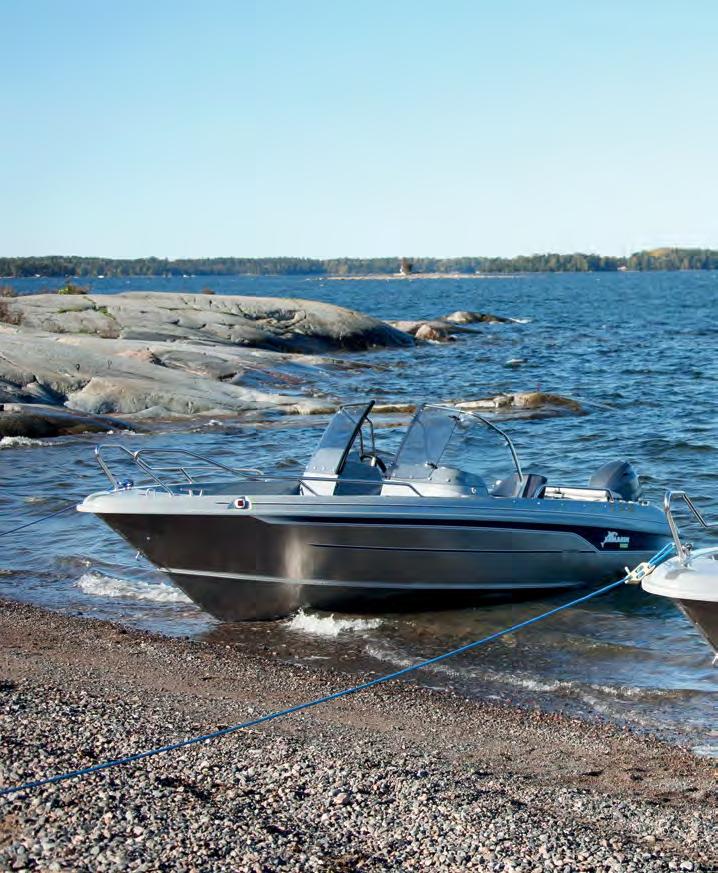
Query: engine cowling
{"points": [[618, 477]]}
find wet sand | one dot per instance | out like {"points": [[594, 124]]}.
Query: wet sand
{"points": [[399, 777]]}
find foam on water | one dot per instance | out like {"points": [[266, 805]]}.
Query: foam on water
{"points": [[522, 680], [708, 749], [328, 625], [585, 689], [99, 585], [383, 653], [11, 442]]}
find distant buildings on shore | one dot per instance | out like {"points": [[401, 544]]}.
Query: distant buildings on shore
{"points": [[405, 267]]}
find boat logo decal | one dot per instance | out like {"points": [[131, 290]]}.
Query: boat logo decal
{"points": [[612, 539], [241, 503]]}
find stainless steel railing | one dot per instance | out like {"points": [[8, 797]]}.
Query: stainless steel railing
{"points": [[138, 458], [157, 474], [683, 551]]}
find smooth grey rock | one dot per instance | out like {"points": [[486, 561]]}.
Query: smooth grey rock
{"points": [[526, 400], [105, 376], [443, 328], [274, 323], [38, 421], [159, 354], [466, 317], [430, 333], [434, 330]]}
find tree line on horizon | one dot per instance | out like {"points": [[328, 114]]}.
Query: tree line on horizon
{"points": [[81, 267]]}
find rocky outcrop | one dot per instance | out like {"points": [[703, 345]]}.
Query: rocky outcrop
{"points": [[529, 401], [463, 316], [160, 379], [445, 328], [158, 355], [38, 421], [271, 323], [144, 355], [433, 333], [435, 330]]}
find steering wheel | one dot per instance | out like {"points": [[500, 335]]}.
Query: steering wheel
{"points": [[374, 460]]}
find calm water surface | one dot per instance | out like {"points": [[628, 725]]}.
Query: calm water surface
{"points": [[638, 349]]}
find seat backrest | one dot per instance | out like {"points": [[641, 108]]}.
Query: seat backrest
{"points": [[364, 479], [511, 486], [534, 485], [530, 486], [356, 477]]}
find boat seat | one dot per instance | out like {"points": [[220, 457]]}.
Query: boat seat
{"points": [[529, 487], [363, 480], [442, 482]]}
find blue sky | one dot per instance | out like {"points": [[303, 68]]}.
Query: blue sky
{"points": [[317, 128]]}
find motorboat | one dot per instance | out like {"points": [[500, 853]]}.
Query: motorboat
{"points": [[690, 579], [448, 516]]}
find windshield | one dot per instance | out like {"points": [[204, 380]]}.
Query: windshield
{"points": [[338, 439], [447, 437]]}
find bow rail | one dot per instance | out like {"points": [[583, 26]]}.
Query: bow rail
{"points": [[683, 550], [194, 474]]}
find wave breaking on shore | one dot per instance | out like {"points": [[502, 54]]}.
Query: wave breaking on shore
{"points": [[100, 585]]}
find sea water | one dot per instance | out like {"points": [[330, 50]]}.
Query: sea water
{"points": [[638, 350]]}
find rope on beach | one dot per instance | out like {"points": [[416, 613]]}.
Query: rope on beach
{"points": [[70, 505], [663, 555]]}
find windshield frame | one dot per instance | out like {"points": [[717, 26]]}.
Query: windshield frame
{"points": [[457, 413], [341, 451]]}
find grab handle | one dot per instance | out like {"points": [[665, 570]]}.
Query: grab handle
{"points": [[683, 551]]}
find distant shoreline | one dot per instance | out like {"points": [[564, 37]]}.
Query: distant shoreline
{"points": [[57, 266], [386, 277]]}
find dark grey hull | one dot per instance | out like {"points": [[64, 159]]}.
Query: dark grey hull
{"points": [[241, 566], [704, 615], [259, 599]]}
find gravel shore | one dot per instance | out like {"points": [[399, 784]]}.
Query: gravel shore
{"points": [[397, 778]]}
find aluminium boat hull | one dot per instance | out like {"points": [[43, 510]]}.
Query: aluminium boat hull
{"points": [[704, 616], [277, 554]]}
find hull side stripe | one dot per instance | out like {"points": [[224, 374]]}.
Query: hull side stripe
{"points": [[453, 551], [409, 586]]}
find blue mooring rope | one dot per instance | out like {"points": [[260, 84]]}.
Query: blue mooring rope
{"points": [[657, 559], [70, 505]]}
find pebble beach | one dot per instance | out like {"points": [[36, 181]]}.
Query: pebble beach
{"points": [[395, 778]]}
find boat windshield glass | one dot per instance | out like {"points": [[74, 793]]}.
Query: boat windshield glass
{"points": [[447, 437], [338, 439]]}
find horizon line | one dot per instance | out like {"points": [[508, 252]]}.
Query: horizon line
{"points": [[533, 254]]}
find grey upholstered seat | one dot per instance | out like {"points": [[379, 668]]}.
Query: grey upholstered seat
{"points": [[530, 486]]}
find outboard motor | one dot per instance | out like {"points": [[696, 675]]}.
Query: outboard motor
{"points": [[618, 477]]}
